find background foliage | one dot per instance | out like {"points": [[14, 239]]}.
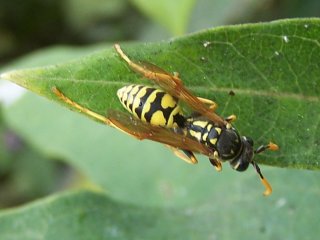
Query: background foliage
{"points": [[125, 188]]}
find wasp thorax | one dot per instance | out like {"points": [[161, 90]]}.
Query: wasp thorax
{"points": [[241, 162], [229, 144]]}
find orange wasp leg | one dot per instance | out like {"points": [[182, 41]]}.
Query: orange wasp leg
{"points": [[230, 119], [212, 105], [186, 155], [87, 111], [216, 162], [273, 147]]}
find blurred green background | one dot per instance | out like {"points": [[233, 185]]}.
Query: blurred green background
{"points": [[38, 32]]}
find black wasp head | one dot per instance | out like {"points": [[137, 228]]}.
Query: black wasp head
{"points": [[229, 144], [241, 162]]}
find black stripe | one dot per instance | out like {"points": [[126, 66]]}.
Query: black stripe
{"points": [[143, 100], [180, 120], [133, 96], [127, 93], [203, 132]]}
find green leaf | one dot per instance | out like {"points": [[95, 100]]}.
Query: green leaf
{"points": [[272, 68], [202, 204], [143, 173], [89, 215], [173, 15], [193, 201]]}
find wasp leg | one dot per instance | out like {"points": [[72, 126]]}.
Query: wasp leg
{"points": [[212, 105], [273, 147], [264, 181], [216, 162], [185, 155], [231, 118], [87, 111]]}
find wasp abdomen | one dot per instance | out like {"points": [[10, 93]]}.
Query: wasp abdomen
{"points": [[151, 105]]}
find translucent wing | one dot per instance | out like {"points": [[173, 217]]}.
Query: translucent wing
{"points": [[153, 68], [142, 130], [173, 85]]}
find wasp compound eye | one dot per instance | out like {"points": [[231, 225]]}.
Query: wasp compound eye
{"points": [[249, 140]]}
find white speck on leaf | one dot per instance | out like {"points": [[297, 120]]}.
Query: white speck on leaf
{"points": [[281, 202], [206, 43], [286, 39]]}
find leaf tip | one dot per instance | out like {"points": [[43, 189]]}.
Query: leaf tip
{"points": [[15, 76], [12, 76], [5, 75]]}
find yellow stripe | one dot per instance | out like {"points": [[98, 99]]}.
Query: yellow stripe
{"points": [[158, 119], [134, 90], [175, 111], [136, 99], [147, 105], [168, 101], [218, 130], [204, 136], [195, 134], [213, 141], [123, 95], [201, 124], [132, 96]]}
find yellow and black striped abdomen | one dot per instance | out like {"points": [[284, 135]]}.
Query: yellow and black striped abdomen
{"points": [[151, 105]]}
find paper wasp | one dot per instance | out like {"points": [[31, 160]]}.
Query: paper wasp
{"points": [[156, 115]]}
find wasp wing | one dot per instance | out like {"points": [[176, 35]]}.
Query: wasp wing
{"points": [[142, 130], [174, 86], [153, 68], [171, 84]]}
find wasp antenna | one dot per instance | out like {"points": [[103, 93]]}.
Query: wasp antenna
{"points": [[264, 181], [271, 146]]}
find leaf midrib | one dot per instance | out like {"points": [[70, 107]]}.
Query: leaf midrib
{"points": [[241, 91]]}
